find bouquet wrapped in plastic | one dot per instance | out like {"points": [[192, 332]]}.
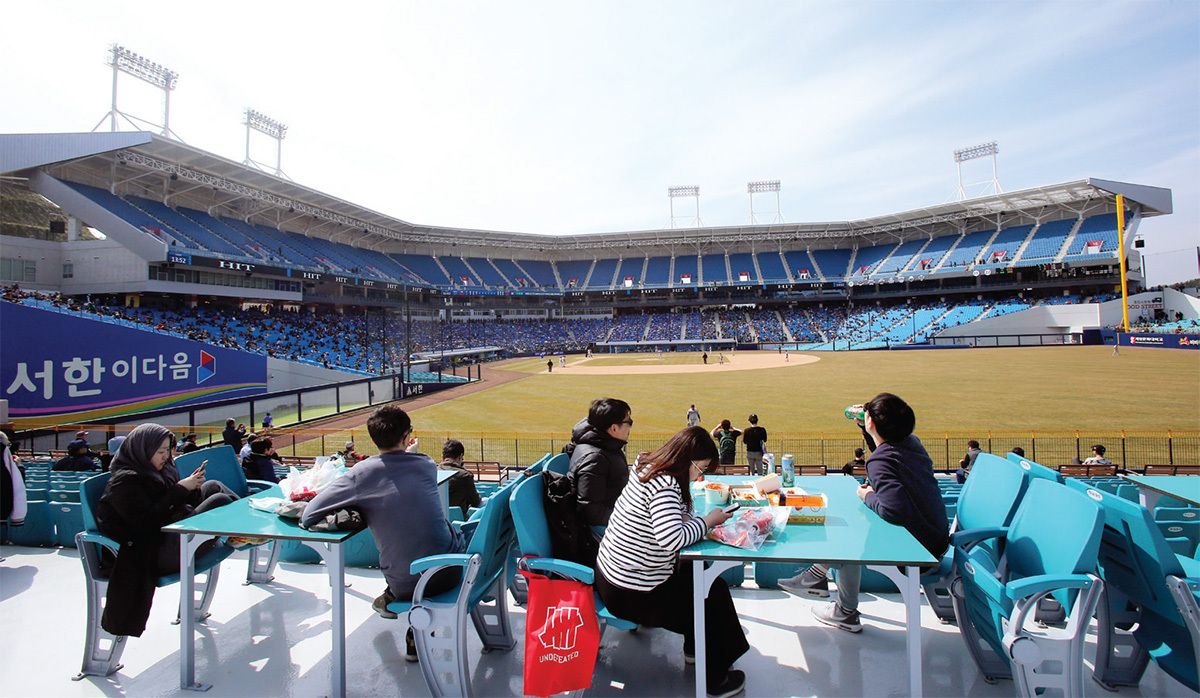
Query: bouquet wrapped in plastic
{"points": [[751, 527]]}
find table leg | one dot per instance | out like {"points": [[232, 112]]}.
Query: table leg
{"points": [[1148, 498], [909, 584], [335, 563], [702, 580], [188, 543]]}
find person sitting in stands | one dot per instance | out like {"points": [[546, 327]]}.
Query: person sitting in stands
{"points": [[1019, 451], [81, 446], [599, 470], [262, 461], [1097, 457], [231, 435], [901, 489], [245, 451], [188, 444], [349, 455], [78, 459], [638, 574], [397, 493], [144, 494], [858, 462], [462, 484]]}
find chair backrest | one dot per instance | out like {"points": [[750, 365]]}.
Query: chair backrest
{"points": [[559, 464], [1134, 557], [1176, 513], [529, 517], [992, 493], [223, 466], [492, 540], [1056, 530], [90, 491], [1035, 469]]}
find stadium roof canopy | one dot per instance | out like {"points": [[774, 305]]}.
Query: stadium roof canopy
{"points": [[151, 165]]}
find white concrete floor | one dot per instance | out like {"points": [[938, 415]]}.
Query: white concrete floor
{"points": [[274, 640]]}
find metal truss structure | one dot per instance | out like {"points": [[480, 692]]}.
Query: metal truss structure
{"points": [[125, 61]]}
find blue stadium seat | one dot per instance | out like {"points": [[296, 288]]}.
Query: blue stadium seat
{"points": [[68, 521], [101, 650], [1149, 609], [533, 538], [1049, 549], [38, 529]]}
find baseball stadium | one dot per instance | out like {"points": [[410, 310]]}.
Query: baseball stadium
{"points": [[1055, 389]]}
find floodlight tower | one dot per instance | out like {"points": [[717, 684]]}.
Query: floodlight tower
{"points": [[125, 61], [975, 152], [764, 187], [257, 121], [684, 192]]}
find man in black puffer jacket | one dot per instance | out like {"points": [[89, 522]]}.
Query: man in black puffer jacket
{"points": [[599, 470]]}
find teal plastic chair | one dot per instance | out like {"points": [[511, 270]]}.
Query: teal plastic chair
{"points": [[1150, 608], [224, 467], [38, 529], [559, 464], [439, 622], [1036, 470], [102, 650], [68, 521], [1049, 549], [533, 538], [989, 499]]}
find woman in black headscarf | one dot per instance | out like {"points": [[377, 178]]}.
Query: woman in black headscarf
{"points": [[144, 494]]}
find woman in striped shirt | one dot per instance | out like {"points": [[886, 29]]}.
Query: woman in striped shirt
{"points": [[637, 570]]}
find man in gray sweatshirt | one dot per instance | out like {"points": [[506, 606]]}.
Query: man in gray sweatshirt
{"points": [[397, 494]]}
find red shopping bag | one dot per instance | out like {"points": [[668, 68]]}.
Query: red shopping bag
{"points": [[562, 635]]}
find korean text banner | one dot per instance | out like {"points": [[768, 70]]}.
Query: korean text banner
{"points": [[57, 365]]}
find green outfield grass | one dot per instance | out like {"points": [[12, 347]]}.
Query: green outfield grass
{"points": [[1045, 389]]}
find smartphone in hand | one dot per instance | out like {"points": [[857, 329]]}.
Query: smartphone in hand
{"points": [[203, 464], [731, 508]]}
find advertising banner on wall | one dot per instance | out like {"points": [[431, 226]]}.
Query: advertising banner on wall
{"points": [[1169, 341], [58, 367]]}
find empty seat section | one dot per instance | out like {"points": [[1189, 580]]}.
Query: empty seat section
{"points": [[133, 215], [931, 256], [602, 274], [833, 263], [423, 266], [206, 238], [460, 275], [575, 271], [1006, 244], [771, 267], [801, 263], [658, 271], [968, 249], [869, 258], [513, 272], [630, 270], [1100, 231], [1048, 240], [248, 246], [370, 262], [713, 266], [277, 241], [686, 265], [542, 272], [900, 258], [486, 271], [742, 263]]}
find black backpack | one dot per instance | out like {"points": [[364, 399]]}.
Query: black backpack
{"points": [[570, 538]]}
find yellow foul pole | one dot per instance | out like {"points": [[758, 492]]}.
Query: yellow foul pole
{"points": [[1121, 248]]}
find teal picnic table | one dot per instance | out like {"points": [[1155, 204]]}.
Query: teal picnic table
{"points": [[851, 534], [242, 520], [1185, 488]]}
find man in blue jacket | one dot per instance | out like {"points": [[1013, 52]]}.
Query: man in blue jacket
{"points": [[396, 492], [900, 488]]}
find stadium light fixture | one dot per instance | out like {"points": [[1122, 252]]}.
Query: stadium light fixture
{"points": [[691, 191], [983, 150], [122, 60], [764, 186], [275, 130]]}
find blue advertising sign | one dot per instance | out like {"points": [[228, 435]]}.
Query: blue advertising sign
{"points": [[1168, 341], [58, 367]]}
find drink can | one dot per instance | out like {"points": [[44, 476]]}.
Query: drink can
{"points": [[789, 470], [855, 413]]}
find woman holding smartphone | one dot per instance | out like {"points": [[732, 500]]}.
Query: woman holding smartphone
{"points": [[144, 494], [638, 574]]}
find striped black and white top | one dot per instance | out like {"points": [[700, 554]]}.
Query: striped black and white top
{"points": [[648, 527]]}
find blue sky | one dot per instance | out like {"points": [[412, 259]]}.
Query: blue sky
{"points": [[562, 117]]}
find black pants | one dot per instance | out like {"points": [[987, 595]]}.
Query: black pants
{"points": [[669, 606], [213, 494]]}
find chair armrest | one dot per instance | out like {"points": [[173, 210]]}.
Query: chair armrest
{"points": [[98, 539], [1044, 583], [256, 486], [436, 562], [973, 536], [565, 568]]}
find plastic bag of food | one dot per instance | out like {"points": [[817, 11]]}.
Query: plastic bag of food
{"points": [[303, 485], [750, 528]]}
